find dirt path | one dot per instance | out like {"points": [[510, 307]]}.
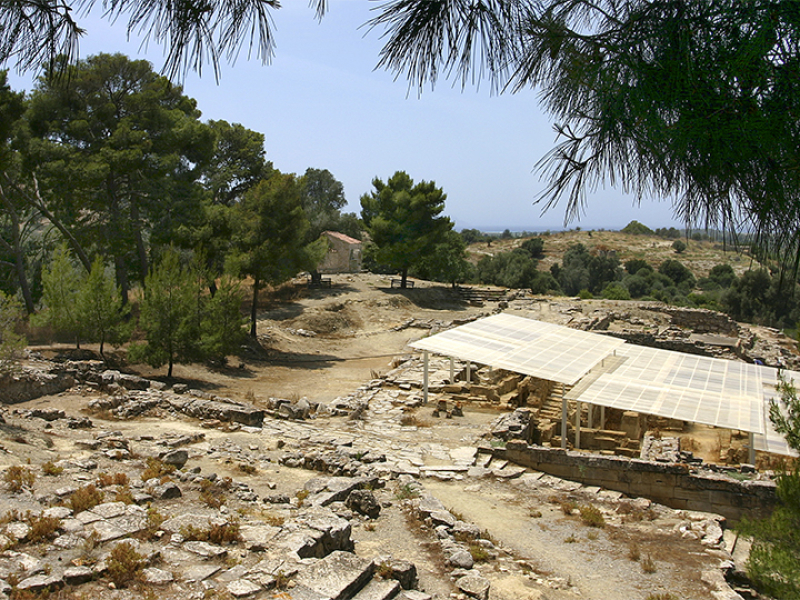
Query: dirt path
{"points": [[591, 563]]}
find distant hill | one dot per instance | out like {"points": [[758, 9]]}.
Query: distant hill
{"points": [[699, 257]]}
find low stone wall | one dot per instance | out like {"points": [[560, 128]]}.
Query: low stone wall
{"points": [[29, 385], [670, 484]]}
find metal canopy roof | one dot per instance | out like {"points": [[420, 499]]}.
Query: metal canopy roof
{"points": [[687, 387], [526, 346]]}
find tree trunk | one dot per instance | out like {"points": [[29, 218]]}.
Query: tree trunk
{"points": [[141, 251], [36, 202], [122, 278], [254, 306], [19, 256]]}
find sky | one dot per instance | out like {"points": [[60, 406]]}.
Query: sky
{"points": [[321, 103]]}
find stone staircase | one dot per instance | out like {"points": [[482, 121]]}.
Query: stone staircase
{"points": [[345, 576]]}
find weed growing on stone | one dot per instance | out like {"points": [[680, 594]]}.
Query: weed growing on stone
{"points": [[18, 478], [648, 565], [85, 498], [156, 469], [301, 496], [42, 528], [124, 564], [406, 492], [633, 551], [571, 540], [247, 468], [124, 495], [211, 495], [661, 596], [273, 519], [225, 533], [592, 516], [478, 552], [567, 506], [51, 469]]}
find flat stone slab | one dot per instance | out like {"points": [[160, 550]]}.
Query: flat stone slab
{"points": [[200, 572], [256, 538], [474, 587], [378, 589], [204, 549], [338, 575], [242, 588]]}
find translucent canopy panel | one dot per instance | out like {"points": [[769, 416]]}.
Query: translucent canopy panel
{"points": [[717, 392], [526, 346], [772, 441]]}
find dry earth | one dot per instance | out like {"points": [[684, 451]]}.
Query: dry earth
{"points": [[325, 344]]}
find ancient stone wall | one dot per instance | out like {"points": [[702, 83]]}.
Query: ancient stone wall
{"points": [[702, 320], [28, 385], [673, 485]]}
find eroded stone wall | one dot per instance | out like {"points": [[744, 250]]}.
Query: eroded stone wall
{"points": [[673, 485]]}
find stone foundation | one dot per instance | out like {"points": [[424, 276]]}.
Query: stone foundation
{"points": [[673, 485]]}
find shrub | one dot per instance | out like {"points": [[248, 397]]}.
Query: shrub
{"points": [[616, 291], [679, 246], [124, 564], [648, 565], [43, 529], [50, 469], [478, 552], [211, 495], [18, 478], [592, 516], [85, 498], [534, 247], [156, 469]]}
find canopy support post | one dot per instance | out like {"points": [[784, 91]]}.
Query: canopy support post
{"points": [[578, 425], [425, 377], [751, 454], [563, 419], [602, 417], [452, 371]]}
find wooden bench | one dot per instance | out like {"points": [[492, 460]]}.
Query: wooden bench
{"points": [[399, 283]]}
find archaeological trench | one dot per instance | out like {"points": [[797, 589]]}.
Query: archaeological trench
{"points": [[116, 486]]}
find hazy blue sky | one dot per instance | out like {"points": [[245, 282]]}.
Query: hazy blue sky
{"points": [[322, 104]]}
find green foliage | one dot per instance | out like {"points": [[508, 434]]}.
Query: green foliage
{"points": [[516, 270], [534, 246], [168, 315], [636, 228], [99, 306], [670, 233], [118, 152], [635, 265], [582, 270], [678, 273], [322, 197], [12, 344], [270, 231], [616, 291], [62, 281], [221, 327], [446, 262], [679, 246], [722, 275], [472, 236], [403, 220], [774, 563]]}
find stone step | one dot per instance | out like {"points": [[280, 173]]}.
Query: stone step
{"points": [[338, 576], [378, 589]]}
